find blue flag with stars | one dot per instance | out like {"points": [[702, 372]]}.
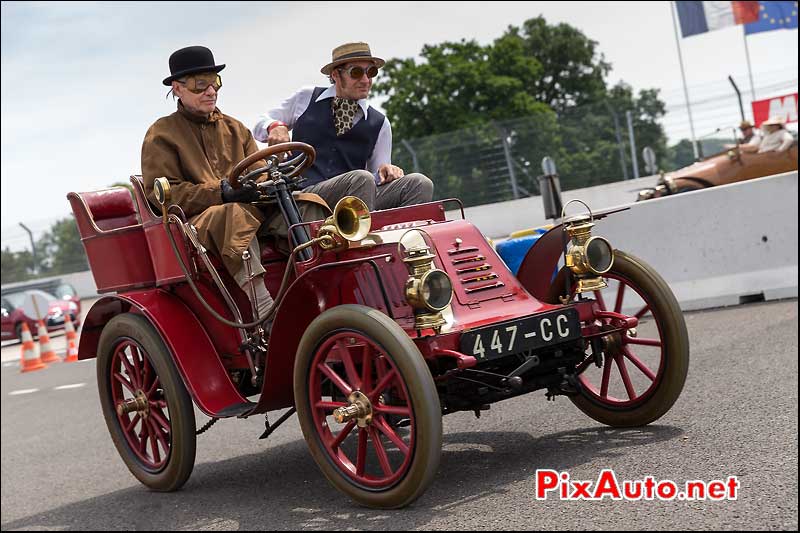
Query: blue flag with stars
{"points": [[774, 16]]}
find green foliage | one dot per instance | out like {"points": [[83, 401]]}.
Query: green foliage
{"points": [[16, 266], [537, 90], [62, 249]]}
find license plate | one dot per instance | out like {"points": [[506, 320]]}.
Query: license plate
{"points": [[515, 336]]}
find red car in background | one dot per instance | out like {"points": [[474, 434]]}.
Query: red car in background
{"points": [[13, 316]]}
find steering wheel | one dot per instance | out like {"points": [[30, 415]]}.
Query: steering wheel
{"points": [[288, 169]]}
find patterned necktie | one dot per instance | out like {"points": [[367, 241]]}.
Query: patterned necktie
{"points": [[344, 111]]}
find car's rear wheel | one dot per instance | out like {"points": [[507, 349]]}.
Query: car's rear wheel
{"points": [[355, 368], [147, 410], [643, 371]]}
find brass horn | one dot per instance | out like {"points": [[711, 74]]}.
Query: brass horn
{"points": [[350, 221]]}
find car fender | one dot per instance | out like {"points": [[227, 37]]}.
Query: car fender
{"points": [[315, 291], [195, 357]]}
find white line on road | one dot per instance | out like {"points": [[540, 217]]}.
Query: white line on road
{"points": [[22, 391], [72, 386]]}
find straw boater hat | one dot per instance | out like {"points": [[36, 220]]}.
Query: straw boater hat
{"points": [[775, 120], [743, 125], [351, 52]]}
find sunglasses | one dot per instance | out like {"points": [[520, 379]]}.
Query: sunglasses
{"points": [[198, 83], [357, 72]]}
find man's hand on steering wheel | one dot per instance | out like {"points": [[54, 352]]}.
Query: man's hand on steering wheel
{"points": [[246, 193], [278, 135]]}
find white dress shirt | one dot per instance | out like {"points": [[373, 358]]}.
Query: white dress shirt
{"points": [[293, 107], [777, 141]]}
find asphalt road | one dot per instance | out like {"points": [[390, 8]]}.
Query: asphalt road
{"points": [[737, 416]]}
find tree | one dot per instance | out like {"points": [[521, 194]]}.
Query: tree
{"points": [[62, 247], [537, 90], [16, 266]]}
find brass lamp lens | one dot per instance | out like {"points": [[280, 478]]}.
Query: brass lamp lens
{"points": [[437, 290], [599, 254]]}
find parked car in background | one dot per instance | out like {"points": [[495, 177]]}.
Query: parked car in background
{"points": [[13, 316], [728, 166]]}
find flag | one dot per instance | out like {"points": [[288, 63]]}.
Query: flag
{"points": [[774, 16], [700, 17]]}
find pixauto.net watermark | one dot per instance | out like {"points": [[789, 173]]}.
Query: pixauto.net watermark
{"points": [[550, 483]]}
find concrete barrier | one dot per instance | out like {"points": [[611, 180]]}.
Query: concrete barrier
{"points": [[719, 246], [715, 247]]}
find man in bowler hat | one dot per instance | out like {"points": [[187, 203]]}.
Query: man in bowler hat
{"points": [[353, 140], [195, 148]]}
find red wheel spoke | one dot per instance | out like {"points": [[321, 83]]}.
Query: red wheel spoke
{"points": [[620, 297], [131, 375], [334, 377], [325, 405], [143, 433], [153, 387], [349, 367], [132, 423], [138, 360], [125, 383], [361, 456], [366, 368], [643, 342], [384, 428], [391, 410], [159, 417], [343, 435], [602, 303], [381, 385], [643, 311], [606, 376], [639, 364], [159, 435], [380, 451], [154, 446], [623, 371]]}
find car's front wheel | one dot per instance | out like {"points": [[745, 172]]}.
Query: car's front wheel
{"points": [[355, 369]]}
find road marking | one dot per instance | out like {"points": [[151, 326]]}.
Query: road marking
{"points": [[22, 391], [72, 386]]}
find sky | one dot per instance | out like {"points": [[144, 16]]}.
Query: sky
{"points": [[81, 82]]}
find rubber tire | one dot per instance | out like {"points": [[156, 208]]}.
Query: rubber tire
{"points": [[183, 446], [421, 390], [675, 339]]}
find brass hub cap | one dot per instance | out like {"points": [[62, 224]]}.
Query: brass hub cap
{"points": [[138, 404], [360, 408]]}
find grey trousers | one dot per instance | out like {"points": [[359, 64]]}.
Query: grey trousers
{"points": [[411, 189]]}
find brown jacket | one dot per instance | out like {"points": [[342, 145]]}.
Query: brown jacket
{"points": [[194, 154]]}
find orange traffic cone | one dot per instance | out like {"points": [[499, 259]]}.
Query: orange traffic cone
{"points": [[72, 353], [69, 329], [48, 355], [30, 359]]}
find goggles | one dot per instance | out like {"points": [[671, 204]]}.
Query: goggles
{"points": [[357, 72], [198, 83]]}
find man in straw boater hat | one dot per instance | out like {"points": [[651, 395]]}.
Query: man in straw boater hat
{"points": [[195, 148], [776, 138], [353, 140]]}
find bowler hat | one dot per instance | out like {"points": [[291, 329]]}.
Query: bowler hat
{"points": [[351, 52], [190, 60]]}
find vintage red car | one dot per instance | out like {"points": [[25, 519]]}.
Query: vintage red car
{"points": [[383, 323]]}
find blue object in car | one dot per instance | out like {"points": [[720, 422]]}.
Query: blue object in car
{"points": [[513, 251]]}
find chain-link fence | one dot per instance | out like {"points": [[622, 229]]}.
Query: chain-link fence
{"points": [[499, 161]]}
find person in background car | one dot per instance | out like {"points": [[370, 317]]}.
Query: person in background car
{"points": [[776, 138]]}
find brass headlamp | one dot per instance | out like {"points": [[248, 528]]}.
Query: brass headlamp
{"points": [[586, 256], [428, 290]]}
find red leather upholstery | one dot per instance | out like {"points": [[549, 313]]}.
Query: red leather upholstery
{"points": [[111, 208]]}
